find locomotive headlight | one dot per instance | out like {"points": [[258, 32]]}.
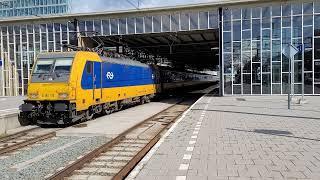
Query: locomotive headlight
{"points": [[63, 95], [33, 95]]}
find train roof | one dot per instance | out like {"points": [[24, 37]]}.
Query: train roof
{"points": [[124, 61]]}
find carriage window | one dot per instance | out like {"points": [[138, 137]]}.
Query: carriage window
{"points": [[89, 67]]}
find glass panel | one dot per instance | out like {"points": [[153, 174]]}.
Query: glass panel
{"points": [[266, 84], [298, 72], [246, 62], [246, 35], [276, 28], [139, 25], [296, 43], [256, 73], [317, 89], [246, 45], [246, 84], [297, 26], [227, 84], [297, 8], [130, 23], [266, 14], [237, 73], [203, 18], [316, 25], [237, 52], [298, 88], [236, 13], [246, 13], [285, 83], [236, 89], [308, 83], [286, 21], [316, 7], [308, 60], [307, 8], [256, 51], [194, 20], [276, 50], [156, 23], [237, 30], [266, 58], [97, 27], [226, 26], [317, 48], [256, 12], [227, 42], [184, 21], [276, 10], [276, 70], [105, 26], [276, 89], [123, 25], [317, 71], [148, 24], [213, 19], [227, 59], [256, 29], [175, 22], [266, 39], [114, 26], [226, 14], [246, 24], [165, 23], [286, 10], [307, 20], [256, 89]]}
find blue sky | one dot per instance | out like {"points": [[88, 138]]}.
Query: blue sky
{"points": [[83, 6]]}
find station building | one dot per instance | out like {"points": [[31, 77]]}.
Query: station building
{"points": [[11, 8], [244, 37]]}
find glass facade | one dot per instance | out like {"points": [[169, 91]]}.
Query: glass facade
{"points": [[20, 44], [12, 8], [253, 39]]}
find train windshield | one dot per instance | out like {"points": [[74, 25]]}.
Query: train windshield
{"points": [[52, 70]]}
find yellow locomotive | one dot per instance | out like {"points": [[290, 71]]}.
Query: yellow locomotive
{"points": [[67, 87]]}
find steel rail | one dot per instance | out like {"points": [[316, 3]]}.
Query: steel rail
{"points": [[27, 142], [65, 172], [16, 135]]}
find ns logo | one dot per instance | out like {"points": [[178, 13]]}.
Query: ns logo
{"points": [[109, 75]]}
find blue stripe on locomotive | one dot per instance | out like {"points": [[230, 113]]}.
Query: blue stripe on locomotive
{"points": [[123, 75]]}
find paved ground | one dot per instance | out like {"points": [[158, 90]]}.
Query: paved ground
{"points": [[10, 104], [239, 138], [112, 125]]}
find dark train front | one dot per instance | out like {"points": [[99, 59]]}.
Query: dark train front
{"points": [[69, 87]]}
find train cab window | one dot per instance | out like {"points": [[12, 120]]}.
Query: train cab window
{"points": [[89, 67]]}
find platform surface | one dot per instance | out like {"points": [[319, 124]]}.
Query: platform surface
{"points": [[9, 105], [114, 124], [254, 137]]}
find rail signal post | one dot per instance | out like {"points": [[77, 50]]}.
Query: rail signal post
{"points": [[290, 51]]}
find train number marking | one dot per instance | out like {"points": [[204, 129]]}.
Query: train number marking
{"points": [[110, 75]]}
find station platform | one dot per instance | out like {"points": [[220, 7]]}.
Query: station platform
{"points": [[10, 104], [247, 137]]}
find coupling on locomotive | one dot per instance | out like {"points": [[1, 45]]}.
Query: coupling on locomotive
{"points": [[68, 87]]}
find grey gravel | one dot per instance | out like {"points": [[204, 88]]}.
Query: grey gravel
{"points": [[48, 165]]}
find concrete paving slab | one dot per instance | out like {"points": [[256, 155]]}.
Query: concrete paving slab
{"points": [[255, 137], [114, 124]]}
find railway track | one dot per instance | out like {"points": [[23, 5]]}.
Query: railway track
{"points": [[116, 158], [24, 138]]}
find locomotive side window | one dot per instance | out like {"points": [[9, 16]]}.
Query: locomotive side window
{"points": [[89, 67]]}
